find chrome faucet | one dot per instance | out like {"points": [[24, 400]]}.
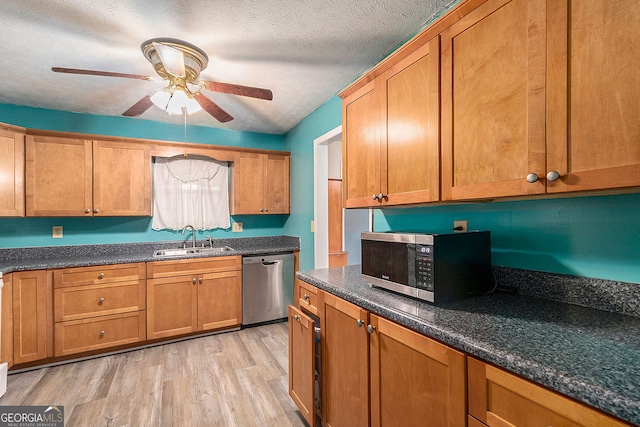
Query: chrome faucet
{"points": [[193, 233], [210, 240]]}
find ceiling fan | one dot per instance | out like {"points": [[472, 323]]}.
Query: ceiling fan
{"points": [[179, 63]]}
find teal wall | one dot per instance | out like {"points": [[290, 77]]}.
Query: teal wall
{"points": [[29, 232], [299, 141], [594, 236]]}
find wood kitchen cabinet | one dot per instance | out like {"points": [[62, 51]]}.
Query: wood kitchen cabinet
{"points": [[11, 171], [191, 295], [302, 363], [391, 134], [6, 332], [374, 371], [593, 88], [260, 184], [79, 177], [493, 101], [498, 398], [98, 307], [32, 316]]}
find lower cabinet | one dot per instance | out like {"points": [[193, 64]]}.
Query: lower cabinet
{"points": [[32, 316], [374, 371], [186, 296], [498, 398]]}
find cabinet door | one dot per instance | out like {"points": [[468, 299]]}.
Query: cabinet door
{"points": [[219, 300], [361, 121], [410, 143], [58, 176], [345, 363], [414, 380], [248, 172], [493, 101], [276, 184], [171, 306], [302, 363], [594, 94], [32, 316], [121, 179], [11, 173], [498, 398], [6, 333]]}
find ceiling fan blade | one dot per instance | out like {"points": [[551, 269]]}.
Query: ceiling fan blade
{"points": [[172, 59], [99, 73], [253, 92], [139, 107], [212, 108]]}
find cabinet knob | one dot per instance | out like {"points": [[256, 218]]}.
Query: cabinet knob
{"points": [[381, 196], [266, 209], [553, 176], [374, 197], [193, 280], [296, 318], [101, 334], [87, 210], [200, 280], [305, 297], [261, 209], [371, 329], [359, 323], [100, 301], [532, 177], [100, 276], [96, 210]]}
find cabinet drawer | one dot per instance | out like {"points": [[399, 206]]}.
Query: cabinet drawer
{"points": [[156, 269], [98, 274], [80, 302], [99, 332], [307, 297]]}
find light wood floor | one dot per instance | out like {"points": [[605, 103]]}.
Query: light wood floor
{"points": [[231, 379]]}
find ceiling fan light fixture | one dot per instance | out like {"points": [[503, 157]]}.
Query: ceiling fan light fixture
{"points": [[195, 59], [173, 99]]}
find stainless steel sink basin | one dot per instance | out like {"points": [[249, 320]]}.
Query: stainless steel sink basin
{"points": [[190, 251]]}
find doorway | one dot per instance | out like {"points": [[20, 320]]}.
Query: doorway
{"points": [[327, 154]]}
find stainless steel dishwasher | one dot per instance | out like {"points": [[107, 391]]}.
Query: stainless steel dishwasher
{"points": [[267, 287]]}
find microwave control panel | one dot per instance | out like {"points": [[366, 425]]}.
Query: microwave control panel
{"points": [[424, 267]]}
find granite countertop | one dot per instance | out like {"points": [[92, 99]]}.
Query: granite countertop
{"points": [[49, 257], [588, 354]]}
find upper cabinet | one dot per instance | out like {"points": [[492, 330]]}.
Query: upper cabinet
{"points": [[79, 177], [260, 184], [593, 90], [493, 101], [391, 134], [11, 171]]}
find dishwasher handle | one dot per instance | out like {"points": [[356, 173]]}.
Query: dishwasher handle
{"points": [[265, 263]]}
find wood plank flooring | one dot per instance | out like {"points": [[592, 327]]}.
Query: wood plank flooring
{"points": [[230, 379]]}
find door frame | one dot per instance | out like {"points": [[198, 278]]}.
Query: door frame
{"points": [[321, 195]]}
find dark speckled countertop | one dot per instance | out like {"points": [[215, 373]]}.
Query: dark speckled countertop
{"points": [[49, 257], [589, 354]]}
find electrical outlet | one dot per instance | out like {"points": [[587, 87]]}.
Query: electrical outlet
{"points": [[460, 225], [56, 232], [236, 227], [313, 226]]}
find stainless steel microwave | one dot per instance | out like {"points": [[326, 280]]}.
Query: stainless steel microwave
{"points": [[437, 267]]}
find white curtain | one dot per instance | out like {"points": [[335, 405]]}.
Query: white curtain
{"points": [[192, 191]]}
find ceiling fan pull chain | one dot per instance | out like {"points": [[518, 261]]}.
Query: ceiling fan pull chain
{"points": [[184, 114]]}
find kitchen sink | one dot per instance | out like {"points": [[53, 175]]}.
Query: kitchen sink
{"points": [[190, 251]]}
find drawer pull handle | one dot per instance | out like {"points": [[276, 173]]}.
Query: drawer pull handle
{"points": [[100, 301], [101, 334], [296, 318], [100, 276], [306, 297]]}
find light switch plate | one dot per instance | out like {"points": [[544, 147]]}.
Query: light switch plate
{"points": [[236, 227], [56, 232]]}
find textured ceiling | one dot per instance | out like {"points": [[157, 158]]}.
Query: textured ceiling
{"points": [[305, 51]]}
